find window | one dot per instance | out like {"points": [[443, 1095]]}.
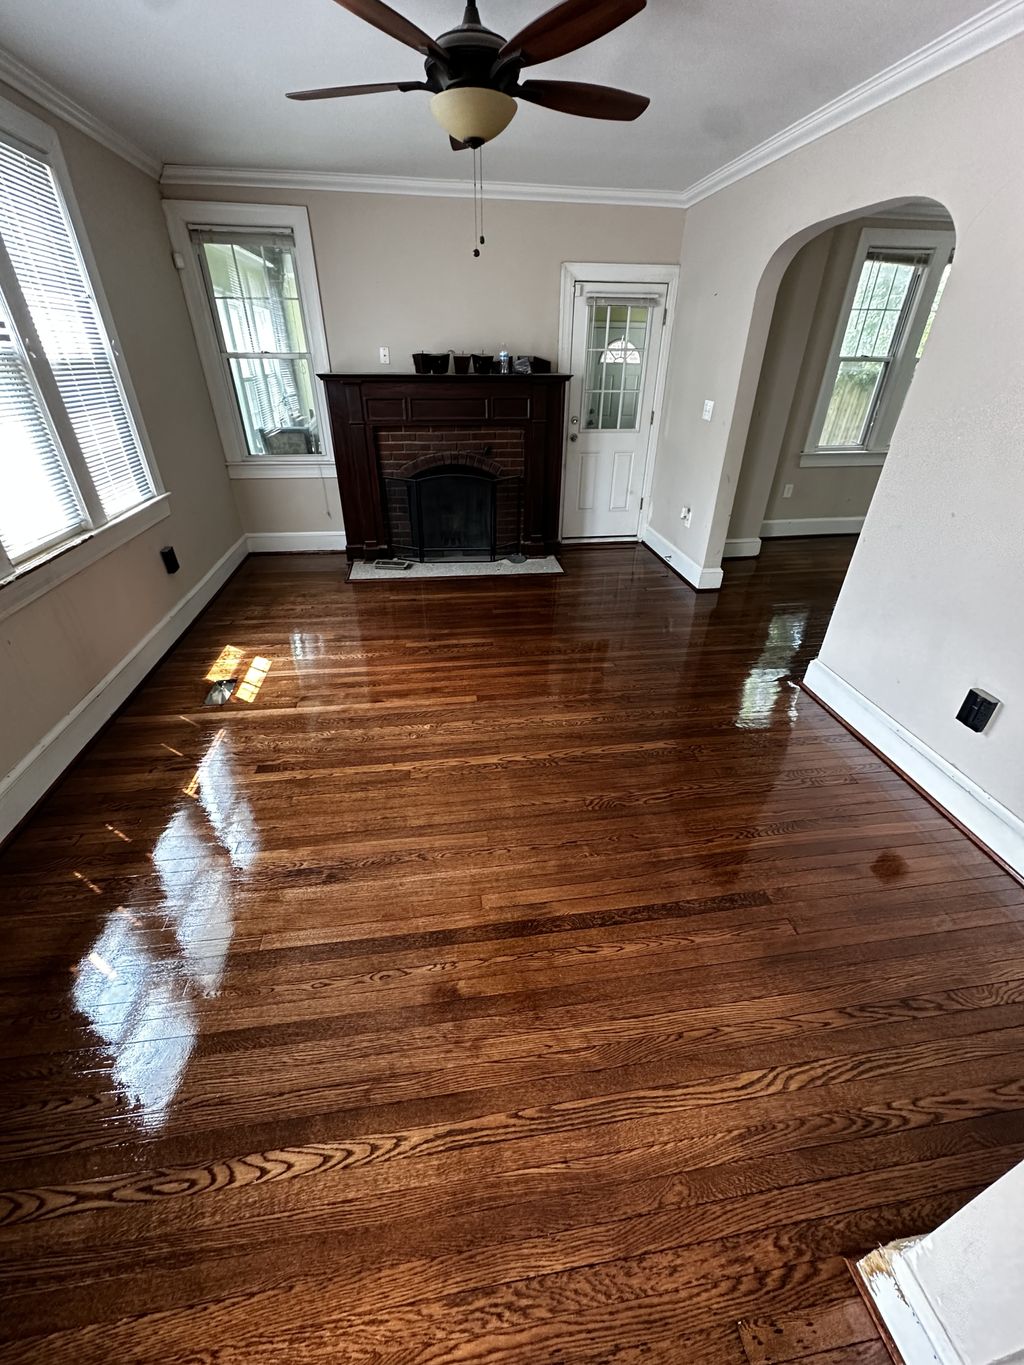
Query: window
{"points": [[71, 457], [252, 285], [891, 301], [249, 277], [617, 340]]}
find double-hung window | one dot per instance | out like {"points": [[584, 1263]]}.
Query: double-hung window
{"points": [[249, 277], [889, 307], [71, 455]]}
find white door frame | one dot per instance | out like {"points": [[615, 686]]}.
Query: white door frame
{"points": [[604, 272]]}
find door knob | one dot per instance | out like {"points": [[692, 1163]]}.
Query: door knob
{"points": [[574, 420], [574, 437]]}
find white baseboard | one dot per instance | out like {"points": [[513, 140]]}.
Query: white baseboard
{"points": [[40, 768], [294, 542], [813, 526], [987, 819], [742, 549], [879, 1274], [694, 573]]}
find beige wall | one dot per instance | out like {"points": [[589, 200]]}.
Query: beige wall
{"points": [[399, 271], [55, 650], [924, 612], [803, 325]]}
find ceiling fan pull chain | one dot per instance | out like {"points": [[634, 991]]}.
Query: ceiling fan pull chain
{"points": [[483, 239], [476, 199]]}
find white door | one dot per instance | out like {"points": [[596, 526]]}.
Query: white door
{"points": [[616, 344]]}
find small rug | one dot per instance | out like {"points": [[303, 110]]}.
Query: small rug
{"points": [[365, 571]]}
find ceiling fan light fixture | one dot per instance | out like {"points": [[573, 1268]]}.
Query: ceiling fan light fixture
{"points": [[472, 114]]}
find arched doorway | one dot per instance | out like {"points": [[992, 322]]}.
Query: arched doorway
{"points": [[851, 319]]}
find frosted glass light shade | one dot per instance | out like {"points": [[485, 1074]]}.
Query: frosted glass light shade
{"points": [[472, 114]]}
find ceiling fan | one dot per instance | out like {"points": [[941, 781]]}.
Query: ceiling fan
{"points": [[473, 73]]}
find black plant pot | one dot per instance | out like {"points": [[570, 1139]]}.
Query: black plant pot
{"points": [[436, 362], [419, 363], [483, 364], [461, 364]]}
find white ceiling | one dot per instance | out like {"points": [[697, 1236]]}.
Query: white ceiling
{"points": [[203, 81]]}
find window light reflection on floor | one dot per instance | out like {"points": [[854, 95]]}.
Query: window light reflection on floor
{"points": [[253, 680], [226, 663]]}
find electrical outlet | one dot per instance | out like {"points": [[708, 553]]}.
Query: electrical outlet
{"points": [[385, 355], [686, 515], [787, 492], [709, 408]]}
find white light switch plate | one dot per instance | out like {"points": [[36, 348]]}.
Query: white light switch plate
{"points": [[385, 355], [709, 407]]}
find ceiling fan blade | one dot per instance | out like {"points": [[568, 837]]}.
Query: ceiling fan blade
{"points": [[458, 146], [396, 25], [334, 92], [587, 101], [568, 26]]}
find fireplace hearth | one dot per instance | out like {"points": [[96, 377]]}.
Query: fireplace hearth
{"points": [[448, 467]]}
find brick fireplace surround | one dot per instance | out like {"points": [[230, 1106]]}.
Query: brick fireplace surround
{"points": [[398, 426]]}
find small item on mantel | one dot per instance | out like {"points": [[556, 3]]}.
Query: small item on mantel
{"points": [[220, 692]]}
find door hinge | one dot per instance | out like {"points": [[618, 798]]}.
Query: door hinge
{"points": [[641, 503], [652, 417]]}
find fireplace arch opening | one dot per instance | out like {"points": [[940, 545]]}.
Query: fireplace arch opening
{"points": [[455, 511]]}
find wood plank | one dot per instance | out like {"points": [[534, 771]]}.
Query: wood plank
{"points": [[525, 975]]}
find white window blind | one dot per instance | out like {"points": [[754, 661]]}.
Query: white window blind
{"points": [[50, 273], [38, 503]]}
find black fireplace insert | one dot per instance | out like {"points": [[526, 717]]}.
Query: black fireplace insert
{"points": [[455, 512]]}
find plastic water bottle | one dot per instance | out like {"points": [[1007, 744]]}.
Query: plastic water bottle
{"points": [[503, 361]]}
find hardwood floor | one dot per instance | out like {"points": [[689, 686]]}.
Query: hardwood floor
{"points": [[529, 973]]}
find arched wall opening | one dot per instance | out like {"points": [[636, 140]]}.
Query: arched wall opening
{"points": [[836, 236], [867, 286]]}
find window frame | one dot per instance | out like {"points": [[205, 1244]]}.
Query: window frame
{"points": [[938, 245], [182, 216], [97, 534]]}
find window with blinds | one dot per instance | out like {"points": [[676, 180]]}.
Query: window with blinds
{"points": [[71, 458]]}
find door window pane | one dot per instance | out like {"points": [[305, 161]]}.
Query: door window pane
{"points": [[617, 343], [254, 293]]}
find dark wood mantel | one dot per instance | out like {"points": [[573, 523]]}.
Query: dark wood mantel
{"points": [[363, 407]]}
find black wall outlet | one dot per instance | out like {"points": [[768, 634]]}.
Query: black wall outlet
{"points": [[170, 559], [978, 709]]}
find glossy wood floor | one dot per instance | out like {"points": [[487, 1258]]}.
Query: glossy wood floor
{"points": [[529, 973]]}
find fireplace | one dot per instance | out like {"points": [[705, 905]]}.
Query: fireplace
{"points": [[448, 466], [453, 511]]}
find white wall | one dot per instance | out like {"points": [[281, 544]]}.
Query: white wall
{"points": [[931, 603], [957, 1297], [399, 271], [56, 650]]}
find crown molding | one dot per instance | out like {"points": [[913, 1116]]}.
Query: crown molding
{"points": [[995, 25], [28, 82], [341, 182]]}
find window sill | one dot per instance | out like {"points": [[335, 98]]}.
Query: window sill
{"points": [[842, 459], [30, 581], [294, 467]]}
